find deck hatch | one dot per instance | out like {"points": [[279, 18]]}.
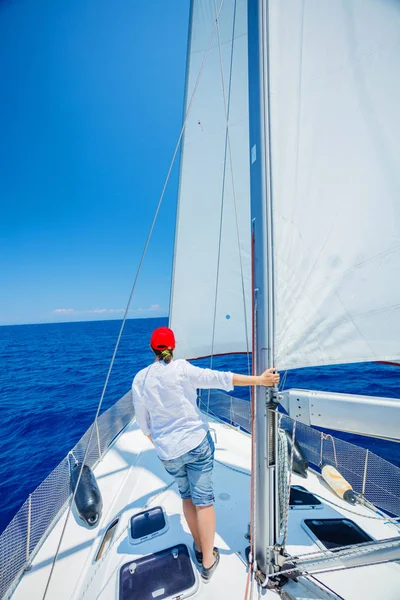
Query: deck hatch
{"points": [[302, 498], [165, 574], [336, 533], [147, 524]]}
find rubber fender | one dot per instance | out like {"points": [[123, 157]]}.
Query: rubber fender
{"points": [[88, 500], [338, 484], [300, 463]]}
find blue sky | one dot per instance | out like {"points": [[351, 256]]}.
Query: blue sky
{"points": [[90, 110]]}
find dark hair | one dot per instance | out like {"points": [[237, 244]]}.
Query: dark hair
{"points": [[165, 355]]}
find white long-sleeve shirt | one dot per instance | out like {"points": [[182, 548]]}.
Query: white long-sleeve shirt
{"points": [[164, 396]]}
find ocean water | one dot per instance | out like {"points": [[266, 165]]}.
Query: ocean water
{"points": [[52, 376]]}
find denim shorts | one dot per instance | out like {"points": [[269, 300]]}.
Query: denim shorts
{"points": [[193, 472]]}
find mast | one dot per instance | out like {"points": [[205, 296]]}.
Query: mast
{"points": [[266, 520]]}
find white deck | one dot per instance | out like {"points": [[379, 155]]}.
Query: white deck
{"points": [[131, 477]]}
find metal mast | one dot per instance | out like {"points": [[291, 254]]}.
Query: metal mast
{"points": [[266, 521]]}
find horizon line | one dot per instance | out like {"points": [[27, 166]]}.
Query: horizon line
{"points": [[82, 321]]}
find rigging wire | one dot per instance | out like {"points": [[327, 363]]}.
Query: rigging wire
{"points": [[228, 150], [131, 296], [229, 147], [227, 105], [228, 153], [253, 498]]}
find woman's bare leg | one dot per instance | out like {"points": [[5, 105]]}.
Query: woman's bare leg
{"points": [[206, 527], [189, 510]]}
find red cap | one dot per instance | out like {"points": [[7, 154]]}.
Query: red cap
{"points": [[162, 338]]}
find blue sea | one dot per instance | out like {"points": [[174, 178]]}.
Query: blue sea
{"points": [[52, 376]]}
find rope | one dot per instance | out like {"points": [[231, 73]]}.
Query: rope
{"points": [[130, 300], [71, 453], [232, 468], [325, 436], [283, 470], [160, 493], [286, 519], [378, 517]]}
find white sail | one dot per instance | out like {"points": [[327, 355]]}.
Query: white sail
{"points": [[335, 118], [203, 286], [335, 148]]}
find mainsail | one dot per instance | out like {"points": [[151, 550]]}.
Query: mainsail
{"points": [[335, 143], [335, 97]]}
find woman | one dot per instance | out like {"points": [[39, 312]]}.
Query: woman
{"points": [[164, 395]]}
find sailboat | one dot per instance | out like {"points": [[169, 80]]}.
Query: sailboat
{"points": [[287, 247]]}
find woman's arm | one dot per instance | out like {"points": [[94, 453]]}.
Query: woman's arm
{"points": [[269, 378], [226, 380]]}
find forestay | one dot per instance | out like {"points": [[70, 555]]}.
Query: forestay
{"points": [[212, 233], [335, 97]]}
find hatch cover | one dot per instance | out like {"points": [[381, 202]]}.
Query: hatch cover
{"points": [[165, 574]]}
